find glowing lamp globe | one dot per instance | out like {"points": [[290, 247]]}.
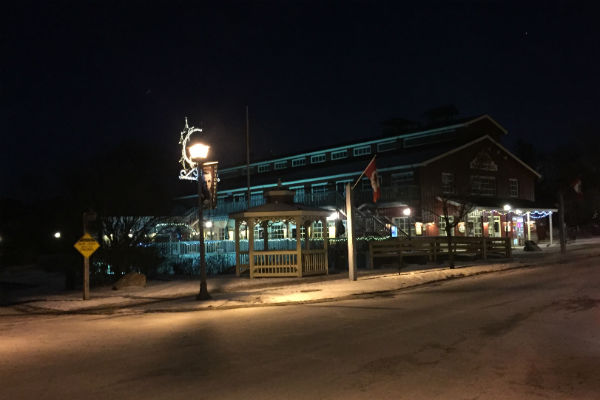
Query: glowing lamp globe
{"points": [[507, 207], [406, 212], [198, 151]]}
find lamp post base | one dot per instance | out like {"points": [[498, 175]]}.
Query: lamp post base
{"points": [[203, 294]]}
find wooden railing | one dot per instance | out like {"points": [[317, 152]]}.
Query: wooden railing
{"points": [[433, 246], [314, 262], [274, 263]]}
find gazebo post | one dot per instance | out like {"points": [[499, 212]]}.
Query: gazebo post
{"points": [[299, 224], [325, 243], [265, 226], [236, 236], [250, 224]]}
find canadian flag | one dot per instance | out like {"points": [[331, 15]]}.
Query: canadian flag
{"points": [[371, 172]]}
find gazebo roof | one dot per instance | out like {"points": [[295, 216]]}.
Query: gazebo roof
{"points": [[281, 210]]}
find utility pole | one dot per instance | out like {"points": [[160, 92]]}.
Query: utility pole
{"points": [[563, 236], [248, 155]]}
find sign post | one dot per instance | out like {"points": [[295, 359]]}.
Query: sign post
{"points": [[87, 245]]}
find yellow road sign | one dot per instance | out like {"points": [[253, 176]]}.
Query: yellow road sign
{"points": [[86, 245]]}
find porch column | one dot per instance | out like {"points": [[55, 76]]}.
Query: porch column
{"points": [[550, 226], [483, 241], [236, 235], [299, 224], [528, 226], [250, 223]]}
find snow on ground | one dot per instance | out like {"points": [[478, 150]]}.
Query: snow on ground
{"points": [[231, 291]]}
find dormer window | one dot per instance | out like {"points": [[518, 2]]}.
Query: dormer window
{"points": [[298, 162], [361, 151], [318, 158], [264, 168], [281, 165], [386, 146], [338, 155]]}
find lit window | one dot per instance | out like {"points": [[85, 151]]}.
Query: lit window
{"points": [[317, 230], [276, 231], [443, 224], [319, 158], [386, 146], [338, 155], [298, 162], [513, 187], [264, 168], [361, 151], [280, 164]]}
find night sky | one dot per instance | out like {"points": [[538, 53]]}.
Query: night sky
{"points": [[79, 77]]}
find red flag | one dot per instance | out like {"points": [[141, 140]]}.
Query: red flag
{"points": [[371, 172]]}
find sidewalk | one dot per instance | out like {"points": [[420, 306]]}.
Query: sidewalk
{"points": [[229, 292]]}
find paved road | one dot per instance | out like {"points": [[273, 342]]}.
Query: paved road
{"points": [[520, 334]]}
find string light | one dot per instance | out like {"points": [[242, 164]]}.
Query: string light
{"points": [[540, 214]]}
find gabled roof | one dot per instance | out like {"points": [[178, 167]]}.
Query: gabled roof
{"points": [[464, 146]]}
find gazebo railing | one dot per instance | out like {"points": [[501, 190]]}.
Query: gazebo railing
{"points": [[275, 263], [314, 262]]}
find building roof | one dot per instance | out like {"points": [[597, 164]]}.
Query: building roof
{"points": [[351, 168], [408, 132]]}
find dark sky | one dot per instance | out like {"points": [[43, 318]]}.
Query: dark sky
{"points": [[78, 77]]}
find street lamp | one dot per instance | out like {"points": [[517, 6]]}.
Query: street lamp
{"points": [[198, 153], [507, 209]]}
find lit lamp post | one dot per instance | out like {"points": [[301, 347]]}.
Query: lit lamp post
{"points": [[507, 209], [198, 153], [406, 213]]}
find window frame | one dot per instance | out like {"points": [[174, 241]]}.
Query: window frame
{"points": [[339, 155], [299, 162], [381, 146], [318, 158], [357, 151], [262, 168]]}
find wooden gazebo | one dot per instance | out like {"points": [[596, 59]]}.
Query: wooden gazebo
{"points": [[299, 254]]}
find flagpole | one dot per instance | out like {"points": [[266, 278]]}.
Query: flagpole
{"points": [[248, 155], [361, 175]]}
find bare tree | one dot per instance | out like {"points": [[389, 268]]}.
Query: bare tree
{"points": [[452, 209], [125, 241]]}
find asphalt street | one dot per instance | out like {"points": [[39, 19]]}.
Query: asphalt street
{"points": [[516, 334]]}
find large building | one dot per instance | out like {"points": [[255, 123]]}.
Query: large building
{"points": [[418, 168]]}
